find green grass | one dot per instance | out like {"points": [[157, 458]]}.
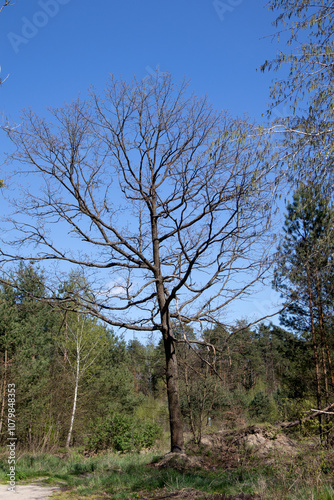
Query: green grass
{"points": [[122, 476], [307, 476]]}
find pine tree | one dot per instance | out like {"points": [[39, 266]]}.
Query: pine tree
{"points": [[303, 275], [27, 327]]}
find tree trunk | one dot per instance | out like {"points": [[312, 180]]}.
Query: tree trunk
{"points": [[323, 328], [329, 360], [77, 374], [192, 423], [175, 417], [315, 346]]}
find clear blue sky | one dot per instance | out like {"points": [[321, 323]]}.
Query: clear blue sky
{"points": [[54, 49]]}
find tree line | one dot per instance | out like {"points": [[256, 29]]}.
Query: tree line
{"points": [[165, 208], [80, 384]]}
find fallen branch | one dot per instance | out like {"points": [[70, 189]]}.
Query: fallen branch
{"points": [[322, 411], [286, 425]]}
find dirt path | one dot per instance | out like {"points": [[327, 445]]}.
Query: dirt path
{"points": [[27, 492]]}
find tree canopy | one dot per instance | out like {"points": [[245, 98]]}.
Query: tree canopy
{"points": [[307, 86], [168, 197]]}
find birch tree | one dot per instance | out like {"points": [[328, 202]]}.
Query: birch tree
{"points": [[305, 86], [82, 341], [164, 199]]}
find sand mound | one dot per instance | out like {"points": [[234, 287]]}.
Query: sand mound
{"points": [[262, 440]]}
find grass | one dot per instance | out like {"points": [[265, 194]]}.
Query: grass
{"points": [[121, 476], [309, 475]]}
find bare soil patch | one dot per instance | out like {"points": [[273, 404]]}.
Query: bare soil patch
{"points": [[262, 440], [228, 448], [27, 492]]}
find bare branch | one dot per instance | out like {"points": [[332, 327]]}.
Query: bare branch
{"points": [[168, 198]]}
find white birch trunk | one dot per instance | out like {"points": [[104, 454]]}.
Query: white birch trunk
{"points": [[77, 375]]}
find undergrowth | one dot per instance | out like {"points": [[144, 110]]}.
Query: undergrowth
{"points": [[308, 475]]}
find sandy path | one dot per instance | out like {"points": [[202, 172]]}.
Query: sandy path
{"points": [[27, 492]]}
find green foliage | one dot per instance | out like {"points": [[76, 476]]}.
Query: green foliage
{"points": [[304, 264], [307, 86], [304, 276], [27, 326], [153, 410], [262, 408], [123, 433], [41, 346], [262, 374]]}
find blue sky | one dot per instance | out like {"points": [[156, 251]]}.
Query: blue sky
{"points": [[52, 50]]}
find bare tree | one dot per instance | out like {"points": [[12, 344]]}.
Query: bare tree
{"points": [[172, 198]]}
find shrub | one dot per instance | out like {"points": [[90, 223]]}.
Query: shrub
{"points": [[123, 433], [262, 408]]}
